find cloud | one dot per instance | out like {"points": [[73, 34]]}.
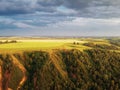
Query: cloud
{"points": [[12, 7], [81, 8], [75, 26], [9, 23], [88, 22], [8, 7], [95, 8], [67, 17], [29, 21], [24, 25], [85, 27]]}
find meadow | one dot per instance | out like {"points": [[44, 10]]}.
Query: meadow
{"points": [[36, 44]]}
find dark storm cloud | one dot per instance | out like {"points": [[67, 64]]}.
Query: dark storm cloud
{"points": [[84, 8], [95, 8], [8, 7], [48, 3], [11, 7]]}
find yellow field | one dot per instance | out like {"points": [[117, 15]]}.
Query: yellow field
{"points": [[45, 44]]}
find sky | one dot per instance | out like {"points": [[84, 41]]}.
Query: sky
{"points": [[59, 17]]}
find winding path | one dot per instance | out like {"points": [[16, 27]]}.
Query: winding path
{"points": [[22, 68]]}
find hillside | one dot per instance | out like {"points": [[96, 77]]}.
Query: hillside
{"points": [[61, 69]]}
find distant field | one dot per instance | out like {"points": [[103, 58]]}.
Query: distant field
{"points": [[28, 45], [47, 44]]}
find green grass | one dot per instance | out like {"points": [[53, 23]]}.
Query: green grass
{"points": [[48, 44], [28, 45]]}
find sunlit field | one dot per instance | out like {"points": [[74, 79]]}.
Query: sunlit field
{"points": [[48, 44]]}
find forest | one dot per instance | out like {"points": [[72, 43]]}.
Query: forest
{"points": [[92, 69]]}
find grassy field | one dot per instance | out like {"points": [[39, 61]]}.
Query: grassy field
{"points": [[28, 44], [40, 44]]}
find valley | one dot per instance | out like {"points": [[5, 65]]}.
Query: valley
{"points": [[60, 64]]}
